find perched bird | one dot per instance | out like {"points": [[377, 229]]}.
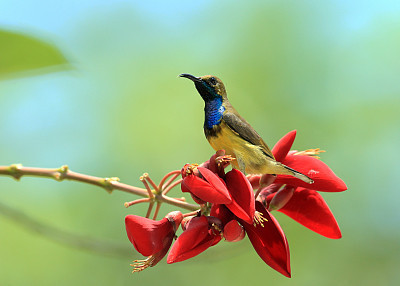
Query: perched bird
{"points": [[226, 129]]}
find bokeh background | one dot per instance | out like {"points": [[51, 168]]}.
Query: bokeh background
{"points": [[329, 69]]}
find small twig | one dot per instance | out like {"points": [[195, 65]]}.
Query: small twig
{"points": [[128, 204], [147, 177], [191, 213], [162, 185], [149, 209], [158, 206], [143, 180], [172, 186], [176, 202], [170, 180]]}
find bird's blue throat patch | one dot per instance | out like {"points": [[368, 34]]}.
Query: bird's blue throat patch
{"points": [[213, 112]]}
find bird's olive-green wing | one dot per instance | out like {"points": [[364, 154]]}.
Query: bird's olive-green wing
{"points": [[240, 126]]}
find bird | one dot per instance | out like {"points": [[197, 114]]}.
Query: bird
{"points": [[225, 129]]}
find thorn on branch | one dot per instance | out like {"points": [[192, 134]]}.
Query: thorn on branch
{"points": [[61, 173], [15, 171], [107, 183]]}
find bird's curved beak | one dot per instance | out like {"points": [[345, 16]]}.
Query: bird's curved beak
{"points": [[191, 77]]}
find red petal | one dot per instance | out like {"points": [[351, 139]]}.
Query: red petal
{"points": [[216, 182], [308, 208], [198, 200], [266, 180], [204, 190], [175, 217], [324, 178], [270, 242], [194, 240], [281, 198], [254, 180], [282, 147], [233, 231], [146, 235], [211, 164], [222, 212], [242, 195], [185, 189]]}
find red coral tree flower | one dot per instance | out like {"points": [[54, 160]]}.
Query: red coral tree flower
{"points": [[209, 188], [228, 208], [201, 233], [269, 241], [234, 190], [237, 218], [300, 200], [151, 238]]}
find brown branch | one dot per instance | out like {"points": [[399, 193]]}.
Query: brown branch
{"points": [[109, 184]]}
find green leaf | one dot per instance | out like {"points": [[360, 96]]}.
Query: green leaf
{"points": [[22, 53]]}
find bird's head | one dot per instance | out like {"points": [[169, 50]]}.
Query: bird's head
{"points": [[210, 87]]}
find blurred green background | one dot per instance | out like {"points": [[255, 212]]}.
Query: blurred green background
{"points": [[329, 69]]}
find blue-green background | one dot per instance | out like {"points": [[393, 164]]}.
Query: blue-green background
{"points": [[329, 69]]}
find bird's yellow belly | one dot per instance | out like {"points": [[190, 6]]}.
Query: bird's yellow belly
{"points": [[248, 156]]}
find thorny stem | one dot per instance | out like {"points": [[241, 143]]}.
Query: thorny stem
{"points": [[109, 184]]}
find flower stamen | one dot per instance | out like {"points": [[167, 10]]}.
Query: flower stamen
{"points": [[191, 168], [259, 219], [311, 152], [140, 265], [216, 229], [223, 160]]}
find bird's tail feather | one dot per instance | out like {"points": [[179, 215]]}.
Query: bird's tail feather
{"points": [[297, 174]]}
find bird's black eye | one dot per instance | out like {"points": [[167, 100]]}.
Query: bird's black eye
{"points": [[213, 81]]}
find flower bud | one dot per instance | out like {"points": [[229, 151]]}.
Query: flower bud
{"points": [[233, 231]]}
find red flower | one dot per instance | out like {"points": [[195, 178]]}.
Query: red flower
{"points": [[232, 231], [324, 178], [269, 241], [308, 208], [235, 191], [242, 194], [151, 238], [228, 209], [300, 200], [200, 233], [266, 235], [209, 188]]}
